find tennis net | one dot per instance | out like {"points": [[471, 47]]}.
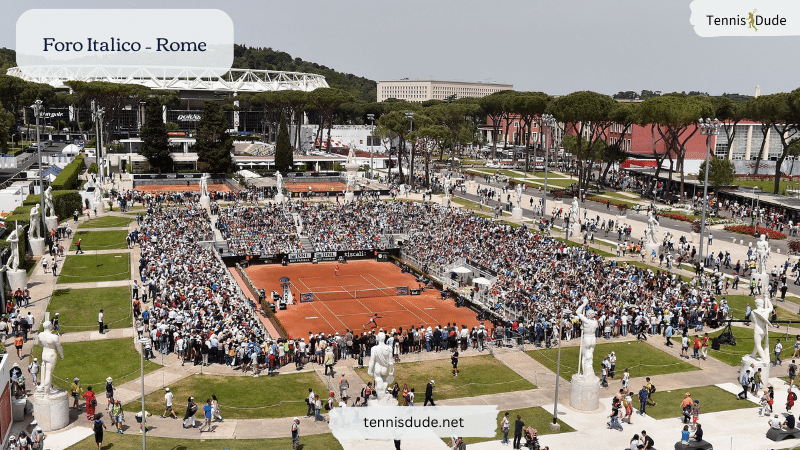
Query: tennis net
{"points": [[349, 294]]}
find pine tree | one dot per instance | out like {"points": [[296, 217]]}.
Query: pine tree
{"points": [[284, 159], [155, 140], [214, 144]]}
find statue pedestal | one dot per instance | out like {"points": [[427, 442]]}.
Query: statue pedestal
{"points": [[280, 198], [51, 222], [37, 246], [205, 202], [445, 201], [51, 412], [17, 279], [585, 393], [516, 213], [18, 409], [757, 364], [649, 247], [349, 196], [575, 231], [100, 207]]}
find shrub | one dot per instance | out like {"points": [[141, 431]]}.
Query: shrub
{"points": [[696, 226], [68, 178], [92, 168], [794, 246], [558, 195], [622, 208], [65, 202]]}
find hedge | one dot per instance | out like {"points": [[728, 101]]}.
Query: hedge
{"points": [[68, 178], [65, 202]]}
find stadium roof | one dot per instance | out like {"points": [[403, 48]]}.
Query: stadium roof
{"points": [[190, 79]]}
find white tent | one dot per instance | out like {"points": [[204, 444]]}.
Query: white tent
{"points": [[481, 280], [71, 149]]}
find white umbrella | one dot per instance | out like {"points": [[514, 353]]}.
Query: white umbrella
{"points": [[481, 280], [461, 269]]}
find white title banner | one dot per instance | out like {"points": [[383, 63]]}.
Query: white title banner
{"points": [[125, 40], [413, 422], [713, 18]]}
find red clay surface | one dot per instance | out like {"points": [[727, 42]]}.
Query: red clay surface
{"points": [[155, 188], [333, 186], [339, 315]]}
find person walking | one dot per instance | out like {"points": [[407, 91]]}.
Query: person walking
{"points": [[78, 247], [429, 393], [344, 384], [91, 403], [778, 350], [191, 410], [207, 410], [745, 382], [76, 390], [505, 424], [168, 396], [215, 408], [117, 416], [519, 425], [33, 369], [310, 402], [100, 321], [98, 427], [644, 394]]}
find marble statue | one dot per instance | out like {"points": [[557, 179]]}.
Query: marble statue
{"points": [[762, 252], [89, 183], [351, 155], [446, 183], [518, 196], [279, 182], [760, 317], [13, 239], [204, 185], [50, 346], [381, 365], [35, 230], [49, 209], [573, 211], [652, 228], [98, 194], [588, 328]]}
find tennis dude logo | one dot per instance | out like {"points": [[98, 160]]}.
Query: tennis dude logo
{"points": [[712, 18]]}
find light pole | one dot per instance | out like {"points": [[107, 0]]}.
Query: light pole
{"points": [[409, 116], [708, 128], [142, 342], [549, 121], [37, 109], [555, 426], [371, 118]]}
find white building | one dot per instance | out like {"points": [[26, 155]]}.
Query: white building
{"points": [[422, 90]]}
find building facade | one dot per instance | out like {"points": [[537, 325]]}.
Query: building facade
{"points": [[422, 90]]}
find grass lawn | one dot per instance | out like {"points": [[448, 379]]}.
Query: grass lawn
{"points": [[468, 204], [641, 358], [93, 361], [738, 304], [766, 185], [732, 355], [285, 392], [103, 267], [712, 399], [618, 195], [133, 441], [478, 375], [100, 240], [106, 222], [536, 417], [78, 308]]}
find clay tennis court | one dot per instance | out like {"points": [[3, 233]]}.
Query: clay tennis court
{"points": [[333, 186], [157, 188], [367, 277]]}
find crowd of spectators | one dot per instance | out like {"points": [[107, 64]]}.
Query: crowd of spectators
{"points": [[253, 230]]}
